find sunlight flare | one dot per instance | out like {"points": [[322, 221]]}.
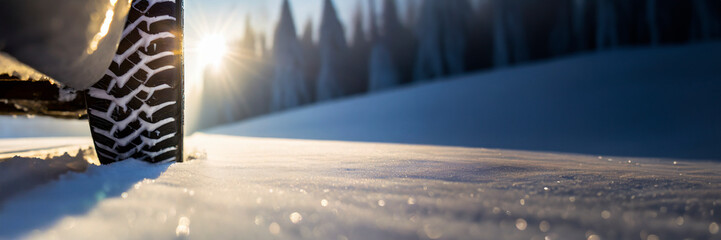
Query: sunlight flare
{"points": [[213, 49]]}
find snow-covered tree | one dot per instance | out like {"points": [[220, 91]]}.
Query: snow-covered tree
{"points": [[383, 72], [333, 53], [289, 87], [311, 62]]}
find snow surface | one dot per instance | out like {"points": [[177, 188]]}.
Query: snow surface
{"points": [[659, 102], [19, 174], [253, 188]]}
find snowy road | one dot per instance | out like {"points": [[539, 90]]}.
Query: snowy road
{"points": [[254, 188]]}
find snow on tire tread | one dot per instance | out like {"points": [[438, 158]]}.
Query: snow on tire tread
{"points": [[134, 109]]}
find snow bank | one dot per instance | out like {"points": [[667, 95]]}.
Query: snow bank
{"points": [[660, 102], [74, 194], [19, 174]]}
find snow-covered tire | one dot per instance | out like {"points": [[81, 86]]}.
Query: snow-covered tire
{"points": [[136, 109]]}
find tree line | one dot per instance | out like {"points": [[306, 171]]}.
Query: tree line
{"points": [[434, 39]]}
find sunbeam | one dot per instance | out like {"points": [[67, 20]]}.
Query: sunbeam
{"points": [[213, 49]]}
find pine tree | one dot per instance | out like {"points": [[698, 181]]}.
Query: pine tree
{"points": [[382, 69], [359, 57], [248, 43], [705, 23], [333, 53], [580, 29], [456, 17], [501, 55], [479, 53], [253, 92], [606, 29], [311, 62], [383, 74], [652, 21], [399, 40], [559, 37], [374, 31], [430, 60], [289, 87], [411, 19], [517, 32]]}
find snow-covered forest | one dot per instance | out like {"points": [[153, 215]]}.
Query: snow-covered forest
{"points": [[432, 40]]}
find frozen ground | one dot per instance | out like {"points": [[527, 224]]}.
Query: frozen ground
{"points": [[252, 188], [356, 187]]}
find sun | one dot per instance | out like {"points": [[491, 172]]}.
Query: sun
{"points": [[212, 50]]}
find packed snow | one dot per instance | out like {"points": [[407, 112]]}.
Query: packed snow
{"points": [[253, 188], [18, 174]]}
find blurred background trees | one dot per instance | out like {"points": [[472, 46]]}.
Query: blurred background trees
{"points": [[434, 39]]}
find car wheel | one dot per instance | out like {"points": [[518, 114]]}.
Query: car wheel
{"points": [[136, 110]]}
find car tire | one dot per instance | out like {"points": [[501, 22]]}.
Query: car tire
{"points": [[136, 110]]}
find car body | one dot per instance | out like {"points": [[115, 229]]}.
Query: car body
{"points": [[72, 42], [49, 50], [118, 63]]}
